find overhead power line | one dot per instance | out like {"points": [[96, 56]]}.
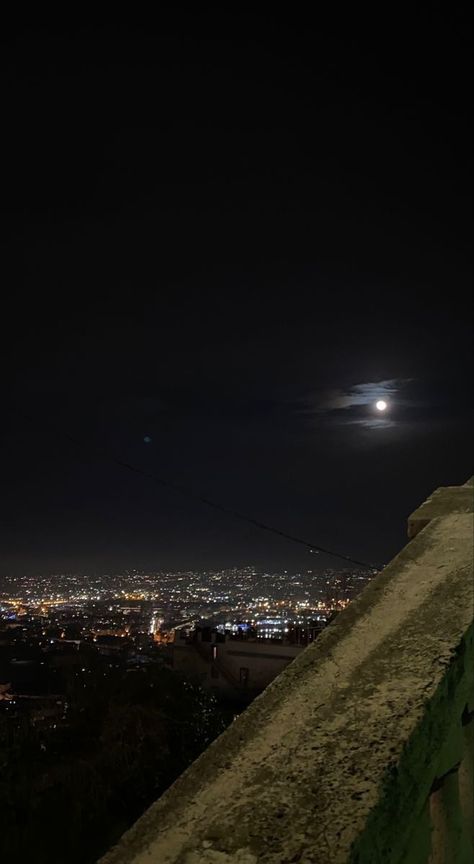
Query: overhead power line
{"points": [[229, 511], [202, 499]]}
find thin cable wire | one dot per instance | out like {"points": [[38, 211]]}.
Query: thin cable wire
{"points": [[188, 493], [229, 511]]}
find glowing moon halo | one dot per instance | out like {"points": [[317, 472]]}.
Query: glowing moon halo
{"points": [[381, 405]]}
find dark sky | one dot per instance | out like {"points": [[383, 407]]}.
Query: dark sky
{"points": [[229, 234]]}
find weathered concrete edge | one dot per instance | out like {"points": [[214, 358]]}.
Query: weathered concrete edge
{"points": [[446, 499], [397, 819], [222, 751]]}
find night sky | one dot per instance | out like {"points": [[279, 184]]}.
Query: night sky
{"points": [[224, 237]]}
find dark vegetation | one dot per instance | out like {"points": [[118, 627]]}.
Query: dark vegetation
{"points": [[69, 789]]}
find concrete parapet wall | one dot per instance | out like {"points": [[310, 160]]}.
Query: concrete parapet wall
{"points": [[361, 750], [447, 499]]}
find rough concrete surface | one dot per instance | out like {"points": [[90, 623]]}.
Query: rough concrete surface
{"points": [[334, 761], [447, 499]]}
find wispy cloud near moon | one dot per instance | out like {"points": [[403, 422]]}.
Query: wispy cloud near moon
{"points": [[349, 406]]}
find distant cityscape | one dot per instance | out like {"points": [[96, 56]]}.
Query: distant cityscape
{"points": [[132, 603], [63, 625], [134, 618]]}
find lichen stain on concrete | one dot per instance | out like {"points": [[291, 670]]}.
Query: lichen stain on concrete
{"points": [[213, 856]]}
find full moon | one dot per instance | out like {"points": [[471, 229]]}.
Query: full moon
{"points": [[381, 405]]}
